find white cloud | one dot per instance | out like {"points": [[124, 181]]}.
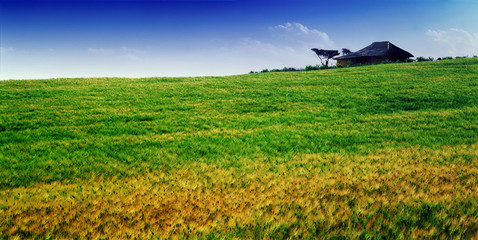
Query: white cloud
{"points": [[4, 50], [286, 45], [249, 44], [131, 50], [456, 42], [298, 33], [253, 54], [132, 53], [100, 51]]}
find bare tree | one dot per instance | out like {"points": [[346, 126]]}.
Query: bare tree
{"points": [[325, 55]]}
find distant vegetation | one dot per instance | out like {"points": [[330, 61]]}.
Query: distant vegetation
{"points": [[375, 152], [323, 66]]}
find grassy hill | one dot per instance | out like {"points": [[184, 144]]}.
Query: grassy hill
{"points": [[375, 151]]}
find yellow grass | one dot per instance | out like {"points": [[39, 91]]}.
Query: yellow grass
{"points": [[198, 199]]}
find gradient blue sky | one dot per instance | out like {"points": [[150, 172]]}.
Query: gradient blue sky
{"points": [[126, 38]]}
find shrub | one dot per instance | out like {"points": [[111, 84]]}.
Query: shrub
{"points": [[286, 69], [423, 59], [311, 68], [265, 70]]}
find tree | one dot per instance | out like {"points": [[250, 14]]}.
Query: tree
{"points": [[325, 54], [346, 51]]}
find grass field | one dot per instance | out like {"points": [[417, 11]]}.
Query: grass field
{"points": [[384, 151]]}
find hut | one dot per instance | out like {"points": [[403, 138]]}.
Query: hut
{"points": [[376, 52]]}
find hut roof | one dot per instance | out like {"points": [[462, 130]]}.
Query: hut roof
{"points": [[378, 49]]}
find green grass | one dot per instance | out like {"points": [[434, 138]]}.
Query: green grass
{"points": [[69, 131], [63, 129]]}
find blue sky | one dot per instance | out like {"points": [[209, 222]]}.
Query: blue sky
{"points": [[126, 38]]}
